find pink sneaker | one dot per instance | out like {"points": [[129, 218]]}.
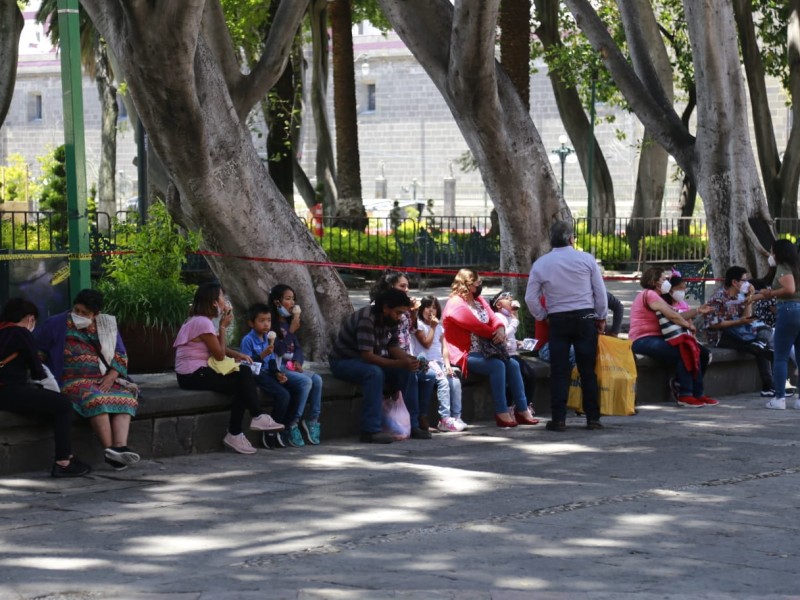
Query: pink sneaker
{"points": [[447, 424], [265, 423], [239, 443]]}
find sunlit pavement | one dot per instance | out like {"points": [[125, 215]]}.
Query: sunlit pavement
{"points": [[670, 503]]}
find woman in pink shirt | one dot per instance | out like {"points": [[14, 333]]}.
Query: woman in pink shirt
{"points": [[645, 333], [199, 340]]}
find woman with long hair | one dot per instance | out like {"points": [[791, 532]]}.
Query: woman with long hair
{"points": [[786, 290]]}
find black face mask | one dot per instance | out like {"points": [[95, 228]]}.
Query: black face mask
{"points": [[477, 291]]}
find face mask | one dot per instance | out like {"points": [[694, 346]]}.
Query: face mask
{"points": [[506, 312], [477, 291], [771, 261], [666, 287], [745, 287], [679, 296], [80, 321], [283, 312]]}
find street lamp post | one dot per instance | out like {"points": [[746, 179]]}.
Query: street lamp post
{"points": [[562, 152]]}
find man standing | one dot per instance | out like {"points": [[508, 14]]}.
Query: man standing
{"points": [[367, 352], [576, 308]]}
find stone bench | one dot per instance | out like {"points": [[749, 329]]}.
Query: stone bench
{"points": [[172, 421]]}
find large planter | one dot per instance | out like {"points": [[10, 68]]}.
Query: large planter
{"points": [[149, 350]]}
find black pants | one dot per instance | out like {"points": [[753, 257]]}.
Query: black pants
{"points": [[574, 328], [241, 384], [34, 401], [763, 361]]}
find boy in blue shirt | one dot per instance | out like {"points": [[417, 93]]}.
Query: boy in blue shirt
{"points": [[289, 393]]}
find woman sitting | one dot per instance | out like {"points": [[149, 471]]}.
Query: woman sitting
{"points": [[646, 334], [476, 340], [199, 341], [18, 361], [85, 352]]}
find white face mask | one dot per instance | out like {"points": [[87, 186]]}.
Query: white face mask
{"points": [[80, 321], [666, 287], [679, 296], [771, 261], [745, 287]]}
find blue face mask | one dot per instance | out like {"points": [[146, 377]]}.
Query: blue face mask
{"points": [[283, 312]]}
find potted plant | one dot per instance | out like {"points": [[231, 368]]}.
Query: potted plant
{"points": [[144, 290]]}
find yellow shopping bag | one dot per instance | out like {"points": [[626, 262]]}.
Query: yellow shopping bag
{"points": [[616, 378]]}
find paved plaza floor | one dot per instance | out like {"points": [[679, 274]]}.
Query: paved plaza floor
{"points": [[669, 503]]}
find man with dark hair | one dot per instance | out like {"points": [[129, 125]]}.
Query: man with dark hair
{"points": [[367, 352], [728, 324], [576, 311]]}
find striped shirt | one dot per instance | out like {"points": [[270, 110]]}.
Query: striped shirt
{"points": [[361, 333]]}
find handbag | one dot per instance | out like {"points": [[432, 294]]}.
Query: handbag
{"points": [[743, 333], [489, 349]]}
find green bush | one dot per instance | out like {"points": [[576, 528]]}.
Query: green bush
{"points": [[344, 245], [675, 247], [612, 250]]}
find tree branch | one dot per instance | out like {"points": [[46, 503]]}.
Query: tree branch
{"points": [[669, 131], [11, 24], [472, 43], [219, 41], [277, 51]]}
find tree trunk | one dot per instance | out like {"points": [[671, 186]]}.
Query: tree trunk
{"points": [[192, 111], [300, 178], [577, 125], [790, 167], [455, 46], [106, 182], [326, 165], [515, 45], [720, 159], [647, 48], [279, 138], [350, 211], [11, 24]]}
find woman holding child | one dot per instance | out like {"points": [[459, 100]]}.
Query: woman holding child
{"points": [[476, 339], [197, 343], [646, 335]]}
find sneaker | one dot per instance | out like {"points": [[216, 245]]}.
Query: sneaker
{"points": [[767, 393], [117, 466], [447, 424], [376, 437], [709, 401], [461, 425], [420, 434], [294, 437], [776, 403], [272, 440], [690, 401], [239, 443], [790, 391], [75, 468], [264, 422], [311, 431], [674, 388], [122, 454]]}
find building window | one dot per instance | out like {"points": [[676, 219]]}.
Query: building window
{"points": [[370, 97], [35, 107]]}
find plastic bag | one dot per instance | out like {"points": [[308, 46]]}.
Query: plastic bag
{"points": [[616, 378], [395, 419]]}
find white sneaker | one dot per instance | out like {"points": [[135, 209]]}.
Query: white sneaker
{"points": [[460, 424], [264, 422], [776, 403], [239, 443], [796, 404]]}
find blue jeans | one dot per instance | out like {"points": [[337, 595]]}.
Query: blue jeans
{"points": [[426, 383], [787, 336], [500, 372], [315, 395], [288, 399], [575, 328], [656, 347], [372, 380], [448, 392]]}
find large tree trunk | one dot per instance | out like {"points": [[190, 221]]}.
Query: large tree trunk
{"points": [[299, 110], [279, 138], [189, 93], [350, 211], [578, 126], [326, 165], [790, 167], [455, 46], [720, 159], [515, 45], [645, 42], [11, 24], [106, 183]]}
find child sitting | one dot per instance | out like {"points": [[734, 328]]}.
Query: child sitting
{"points": [[289, 393], [430, 334]]}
